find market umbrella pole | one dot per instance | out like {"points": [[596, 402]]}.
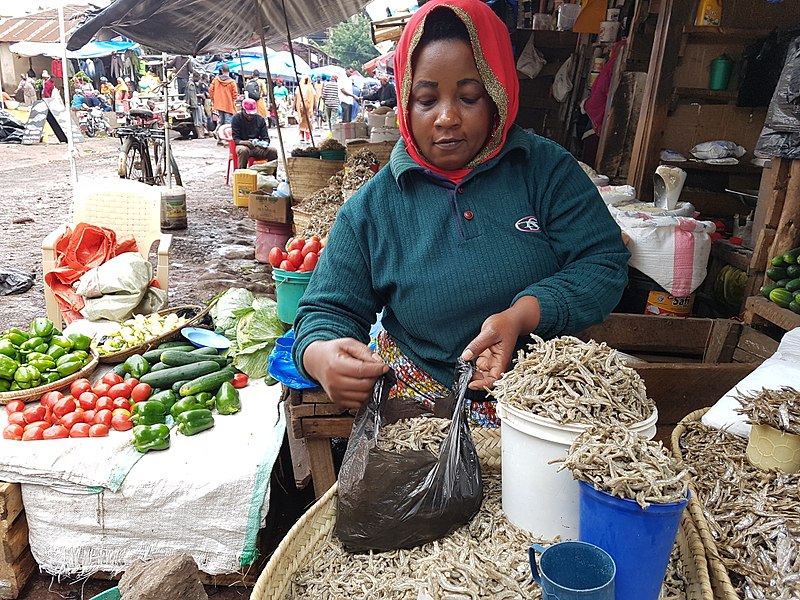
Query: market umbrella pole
{"points": [[73, 171], [167, 154], [269, 79], [296, 74]]}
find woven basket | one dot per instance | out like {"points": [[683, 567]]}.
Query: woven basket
{"points": [[307, 175], [301, 220], [199, 314], [718, 572], [310, 532], [35, 393], [381, 150]]}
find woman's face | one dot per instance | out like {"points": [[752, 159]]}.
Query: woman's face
{"points": [[449, 111]]}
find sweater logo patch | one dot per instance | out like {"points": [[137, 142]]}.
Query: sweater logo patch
{"points": [[528, 224]]}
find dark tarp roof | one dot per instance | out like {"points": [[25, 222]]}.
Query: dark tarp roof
{"points": [[210, 26]]}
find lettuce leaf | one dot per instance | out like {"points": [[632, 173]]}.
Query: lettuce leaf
{"points": [[256, 333]]}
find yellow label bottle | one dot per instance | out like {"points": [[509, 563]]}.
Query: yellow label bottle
{"points": [[709, 12]]}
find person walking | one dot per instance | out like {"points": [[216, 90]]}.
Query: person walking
{"points": [[346, 96], [49, 86], [195, 102], [330, 96], [304, 101], [256, 88], [281, 94], [28, 91], [223, 93]]}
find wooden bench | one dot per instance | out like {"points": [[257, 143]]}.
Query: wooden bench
{"points": [[16, 561]]}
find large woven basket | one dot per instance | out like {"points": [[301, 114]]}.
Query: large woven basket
{"points": [[381, 150], [310, 532], [37, 392], [198, 313], [307, 175], [718, 572], [301, 219]]}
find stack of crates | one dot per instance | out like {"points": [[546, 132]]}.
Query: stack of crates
{"points": [[16, 561]]}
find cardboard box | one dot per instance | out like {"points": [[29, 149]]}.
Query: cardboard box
{"points": [[264, 207], [245, 181]]}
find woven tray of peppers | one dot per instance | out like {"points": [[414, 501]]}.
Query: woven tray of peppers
{"points": [[41, 359]]}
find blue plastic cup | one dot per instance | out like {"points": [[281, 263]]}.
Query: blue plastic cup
{"points": [[573, 571], [639, 540]]}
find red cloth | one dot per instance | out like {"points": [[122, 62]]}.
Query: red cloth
{"points": [[56, 68], [495, 45], [47, 88], [78, 251], [595, 105]]}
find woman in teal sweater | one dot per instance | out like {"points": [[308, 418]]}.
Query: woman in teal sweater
{"points": [[476, 235]]}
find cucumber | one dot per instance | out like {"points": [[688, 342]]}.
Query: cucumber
{"points": [[172, 345], [159, 366], [177, 359], [153, 356], [764, 291], [779, 296], [776, 273], [793, 271], [781, 283], [793, 285], [177, 385], [794, 307], [207, 383], [791, 256], [119, 370], [777, 261], [205, 351], [166, 377], [797, 297]]}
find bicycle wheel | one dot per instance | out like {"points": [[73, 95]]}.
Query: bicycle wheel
{"points": [[160, 175], [134, 162], [90, 130]]}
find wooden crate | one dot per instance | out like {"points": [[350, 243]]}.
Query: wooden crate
{"points": [[16, 561]]}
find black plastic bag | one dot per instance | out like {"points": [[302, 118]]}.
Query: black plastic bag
{"points": [[13, 281], [390, 500]]}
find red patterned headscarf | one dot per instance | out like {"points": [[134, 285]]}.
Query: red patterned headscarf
{"points": [[491, 46]]}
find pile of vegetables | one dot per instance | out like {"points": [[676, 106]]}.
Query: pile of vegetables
{"points": [[138, 330], [40, 356], [785, 273], [300, 255]]}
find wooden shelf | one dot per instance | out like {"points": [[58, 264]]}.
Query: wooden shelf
{"points": [[732, 254], [723, 35], [741, 168], [706, 94], [759, 308]]}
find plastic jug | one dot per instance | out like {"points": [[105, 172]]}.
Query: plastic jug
{"points": [[283, 190], [720, 74]]}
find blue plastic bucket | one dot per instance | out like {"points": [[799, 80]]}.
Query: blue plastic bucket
{"points": [[639, 540], [289, 288], [573, 571]]}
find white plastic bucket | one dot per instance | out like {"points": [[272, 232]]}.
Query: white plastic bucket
{"points": [[536, 496]]}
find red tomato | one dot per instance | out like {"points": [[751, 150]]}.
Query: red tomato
{"points": [[102, 417], [13, 432], [296, 258], [121, 403], [314, 238], [17, 419], [71, 419], [141, 392], [132, 382], [239, 380], [88, 416], [56, 432], [35, 424], [17, 406], [101, 388], [34, 433], [121, 411], [296, 244], [104, 403], [111, 379], [311, 246], [121, 422], [310, 261], [64, 406], [79, 386], [79, 430], [120, 390], [98, 430], [275, 257], [287, 266], [35, 413], [50, 398], [87, 400]]}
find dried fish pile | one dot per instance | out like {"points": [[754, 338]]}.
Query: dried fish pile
{"points": [[754, 515], [486, 558], [422, 433], [778, 408], [362, 158], [627, 465], [330, 144], [571, 381], [676, 580], [321, 199], [323, 206], [321, 223]]}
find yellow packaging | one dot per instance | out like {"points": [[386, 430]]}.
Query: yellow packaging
{"points": [[667, 305], [245, 181], [709, 12]]}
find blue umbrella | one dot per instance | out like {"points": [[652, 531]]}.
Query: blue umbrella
{"points": [[280, 65]]}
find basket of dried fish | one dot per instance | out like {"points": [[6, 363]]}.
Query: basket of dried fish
{"points": [[747, 518], [307, 175], [381, 150]]}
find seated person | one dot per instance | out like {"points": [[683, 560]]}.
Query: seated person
{"points": [[249, 131]]}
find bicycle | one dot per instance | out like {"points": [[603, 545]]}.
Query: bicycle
{"points": [[136, 160]]}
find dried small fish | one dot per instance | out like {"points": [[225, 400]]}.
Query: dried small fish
{"points": [[421, 433], [778, 408]]}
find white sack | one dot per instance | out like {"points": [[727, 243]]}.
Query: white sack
{"points": [[531, 61]]}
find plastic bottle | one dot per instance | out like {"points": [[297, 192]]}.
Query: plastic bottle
{"points": [[720, 73], [283, 190]]}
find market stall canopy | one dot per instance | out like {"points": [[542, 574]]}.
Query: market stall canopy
{"points": [[387, 60], [208, 26], [54, 49], [280, 65]]}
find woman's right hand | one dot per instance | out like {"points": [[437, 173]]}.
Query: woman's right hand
{"points": [[346, 369]]}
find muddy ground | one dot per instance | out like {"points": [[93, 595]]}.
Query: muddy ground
{"points": [[214, 253]]}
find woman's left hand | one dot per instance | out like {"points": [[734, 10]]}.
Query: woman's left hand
{"points": [[493, 348]]}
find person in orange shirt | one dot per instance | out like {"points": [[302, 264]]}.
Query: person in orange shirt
{"points": [[223, 93]]}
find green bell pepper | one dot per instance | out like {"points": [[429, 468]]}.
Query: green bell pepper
{"points": [[41, 327], [79, 341], [41, 361], [151, 437], [136, 365], [34, 344], [16, 336], [7, 367], [15, 387], [51, 376], [185, 404], [228, 399], [61, 342], [27, 376], [207, 399], [167, 397], [56, 352], [194, 421], [5, 385], [7, 348], [69, 364], [149, 412]]}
